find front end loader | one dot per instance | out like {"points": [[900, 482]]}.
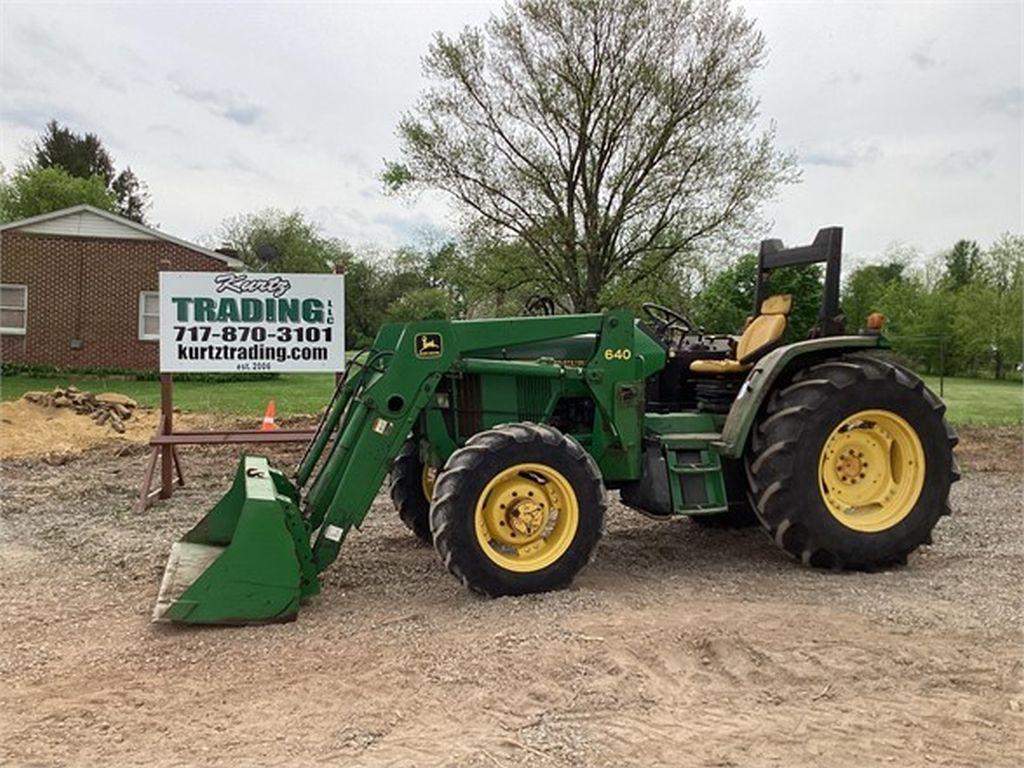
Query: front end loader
{"points": [[502, 438]]}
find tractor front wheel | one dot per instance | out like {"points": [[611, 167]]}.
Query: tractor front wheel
{"points": [[519, 509], [851, 463]]}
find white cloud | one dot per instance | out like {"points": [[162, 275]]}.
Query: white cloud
{"points": [[235, 107], [839, 155], [906, 116]]}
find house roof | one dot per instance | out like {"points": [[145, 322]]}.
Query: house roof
{"points": [[130, 229]]}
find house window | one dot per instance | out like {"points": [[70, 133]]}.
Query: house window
{"points": [[13, 309], [149, 315]]}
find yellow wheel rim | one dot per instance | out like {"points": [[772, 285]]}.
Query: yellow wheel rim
{"points": [[871, 471], [427, 479], [526, 517]]}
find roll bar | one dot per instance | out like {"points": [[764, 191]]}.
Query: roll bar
{"points": [[828, 248]]}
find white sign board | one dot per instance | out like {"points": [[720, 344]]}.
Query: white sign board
{"points": [[234, 321]]}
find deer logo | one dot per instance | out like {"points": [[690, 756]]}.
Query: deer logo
{"points": [[428, 345]]}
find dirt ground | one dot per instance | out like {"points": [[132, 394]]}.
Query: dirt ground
{"points": [[28, 429], [678, 646], [991, 449]]}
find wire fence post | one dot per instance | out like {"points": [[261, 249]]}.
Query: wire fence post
{"points": [[942, 366]]}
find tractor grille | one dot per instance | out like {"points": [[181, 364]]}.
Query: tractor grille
{"points": [[469, 405], [532, 397]]}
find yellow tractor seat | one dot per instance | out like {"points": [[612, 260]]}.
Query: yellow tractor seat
{"points": [[761, 334]]}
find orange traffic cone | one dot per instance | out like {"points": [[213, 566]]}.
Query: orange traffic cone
{"points": [[268, 418]]}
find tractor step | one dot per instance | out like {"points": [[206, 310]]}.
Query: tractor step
{"points": [[695, 473]]}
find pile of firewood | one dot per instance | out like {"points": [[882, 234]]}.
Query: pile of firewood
{"points": [[106, 408]]}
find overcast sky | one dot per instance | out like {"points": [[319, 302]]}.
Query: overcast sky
{"points": [[906, 116]]}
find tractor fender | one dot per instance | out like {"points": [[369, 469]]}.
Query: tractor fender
{"points": [[763, 376]]}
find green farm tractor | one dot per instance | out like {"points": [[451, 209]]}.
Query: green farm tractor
{"points": [[503, 437]]}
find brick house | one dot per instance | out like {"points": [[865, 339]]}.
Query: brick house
{"points": [[78, 288]]}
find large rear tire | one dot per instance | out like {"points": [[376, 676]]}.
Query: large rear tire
{"points": [[411, 484], [519, 509], [850, 464]]}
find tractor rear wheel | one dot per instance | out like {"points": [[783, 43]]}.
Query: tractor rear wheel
{"points": [[412, 484], [850, 464], [519, 509]]}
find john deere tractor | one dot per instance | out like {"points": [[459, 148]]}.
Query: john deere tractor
{"points": [[504, 437]]}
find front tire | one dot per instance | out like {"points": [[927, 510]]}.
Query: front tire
{"points": [[850, 464], [519, 509]]}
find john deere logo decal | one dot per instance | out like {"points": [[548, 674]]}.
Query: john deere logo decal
{"points": [[428, 345]]}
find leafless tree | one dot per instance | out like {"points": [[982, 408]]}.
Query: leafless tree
{"points": [[603, 134]]}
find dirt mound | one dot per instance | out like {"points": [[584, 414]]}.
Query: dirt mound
{"points": [[31, 429]]}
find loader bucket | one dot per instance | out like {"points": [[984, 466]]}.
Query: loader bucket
{"points": [[247, 561]]}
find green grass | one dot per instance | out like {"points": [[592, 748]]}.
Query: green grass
{"points": [[293, 393], [971, 401], [981, 401]]}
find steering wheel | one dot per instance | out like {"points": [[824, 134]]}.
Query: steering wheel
{"points": [[665, 318]]}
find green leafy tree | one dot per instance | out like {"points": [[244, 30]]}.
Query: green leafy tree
{"points": [[80, 155], [1004, 266], [32, 191], [724, 304], [277, 241], [85, 157], [407, 285], [364, 312], [961, 313], [665, 284], [601, 136], [988, 309], [919, 322], [492, 277], [962, 264], [1006, 275], [422, 304], [132, 195], [425, 283], [728, 299], [805, 284], [865, 289]]}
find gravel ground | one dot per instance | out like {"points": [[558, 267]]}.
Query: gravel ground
{"points": [[679, 645]]}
